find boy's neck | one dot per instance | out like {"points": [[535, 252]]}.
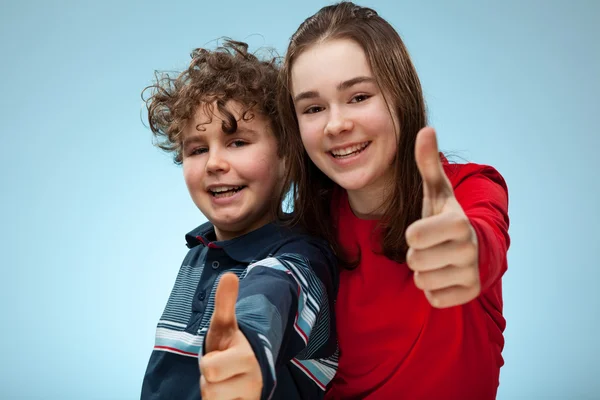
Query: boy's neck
{"points": [[224, 234]]}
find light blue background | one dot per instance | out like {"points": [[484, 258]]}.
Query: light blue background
{"points": [[93, 217]]}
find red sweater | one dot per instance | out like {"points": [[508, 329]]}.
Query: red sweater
{"points": [[393, 344]]}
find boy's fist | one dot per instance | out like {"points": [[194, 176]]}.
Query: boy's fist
{"points": [[229, 370]]}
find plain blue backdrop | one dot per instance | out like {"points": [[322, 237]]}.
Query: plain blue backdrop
{"points": [[92, 216]]}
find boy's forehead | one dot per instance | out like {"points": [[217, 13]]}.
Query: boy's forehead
{"points": [[208, 114], [207, 111]]}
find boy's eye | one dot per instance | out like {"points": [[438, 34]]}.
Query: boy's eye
{"points": [[198, 150], [359, 98], [238, 143], [313, 110]]}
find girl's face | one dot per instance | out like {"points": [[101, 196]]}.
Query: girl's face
{"points": [[348, 130]]}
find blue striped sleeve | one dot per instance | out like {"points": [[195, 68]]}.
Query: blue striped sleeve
{"points": [[285, 310]]}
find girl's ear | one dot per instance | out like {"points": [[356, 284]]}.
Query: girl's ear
{"points": [[282, 164]]}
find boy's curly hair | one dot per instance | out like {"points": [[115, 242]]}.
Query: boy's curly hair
{"points": [[229, 72]]}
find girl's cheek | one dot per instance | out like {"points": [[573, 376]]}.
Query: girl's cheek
{"points": [[310, 135]]}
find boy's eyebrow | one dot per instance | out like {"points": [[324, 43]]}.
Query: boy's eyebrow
{"points": [[246, 131], [342, 86], [197, 137], [191, 139]]}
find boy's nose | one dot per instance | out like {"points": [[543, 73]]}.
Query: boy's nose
{"points": [[216, 164]]}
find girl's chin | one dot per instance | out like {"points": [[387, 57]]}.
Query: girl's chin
{"points": [[350, 184], [358, 182]]}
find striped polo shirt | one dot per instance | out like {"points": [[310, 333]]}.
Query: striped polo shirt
{"points": [[288, 282]]}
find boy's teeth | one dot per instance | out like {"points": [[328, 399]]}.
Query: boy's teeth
{"points": [[349, 150], [225, 191]]}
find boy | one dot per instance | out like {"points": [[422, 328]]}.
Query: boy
{"points": [[218, 118]]}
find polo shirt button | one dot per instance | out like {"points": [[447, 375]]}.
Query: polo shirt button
{"points": [[215, 264], [201, 296]]}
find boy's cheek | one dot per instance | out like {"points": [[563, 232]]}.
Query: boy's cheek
{"points": [[192, 174]]}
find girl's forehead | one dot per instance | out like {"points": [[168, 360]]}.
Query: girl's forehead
{"points": [[333, 50], [329, 63]]}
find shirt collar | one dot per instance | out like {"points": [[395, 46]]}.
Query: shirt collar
{"points": [[244, 248]]}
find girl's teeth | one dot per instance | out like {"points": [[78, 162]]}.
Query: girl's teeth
{"points": [[340, 153]]}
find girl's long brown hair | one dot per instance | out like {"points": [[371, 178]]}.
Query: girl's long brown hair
{"points": [[312, 191]]}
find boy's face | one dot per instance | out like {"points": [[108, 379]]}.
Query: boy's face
{"points": [[232, 178]]}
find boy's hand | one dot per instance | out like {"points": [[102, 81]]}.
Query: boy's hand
{"points": [[229, 370], [443, 249]]}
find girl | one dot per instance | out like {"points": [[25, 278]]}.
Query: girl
{"points": [[422, 242]]}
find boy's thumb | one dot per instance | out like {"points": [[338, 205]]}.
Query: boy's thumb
{"points": [[223, 323]]}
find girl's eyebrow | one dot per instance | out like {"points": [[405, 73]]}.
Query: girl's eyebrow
{"points": [[311, 94], [355, 81]]}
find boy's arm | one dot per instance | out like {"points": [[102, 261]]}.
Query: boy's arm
{"points": [[284, 310]]}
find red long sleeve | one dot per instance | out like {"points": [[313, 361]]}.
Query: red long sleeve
{"points": [[393, 344]]}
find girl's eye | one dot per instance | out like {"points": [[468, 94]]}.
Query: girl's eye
{"points": [[313, 110], [359, 98], [238, 143]]}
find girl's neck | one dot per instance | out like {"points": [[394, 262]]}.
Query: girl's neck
{"points": [[369, 202]]}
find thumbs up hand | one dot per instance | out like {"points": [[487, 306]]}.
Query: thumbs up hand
{"points": [[229, 370], [443, 249]]}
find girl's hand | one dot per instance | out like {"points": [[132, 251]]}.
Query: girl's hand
{"points": [[443, 249]]}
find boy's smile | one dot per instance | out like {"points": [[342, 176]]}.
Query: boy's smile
{"points": [[220, 192], [233, 178]]}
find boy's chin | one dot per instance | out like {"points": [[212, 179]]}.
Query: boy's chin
{"points": [[229, 228], [229, 224]]}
